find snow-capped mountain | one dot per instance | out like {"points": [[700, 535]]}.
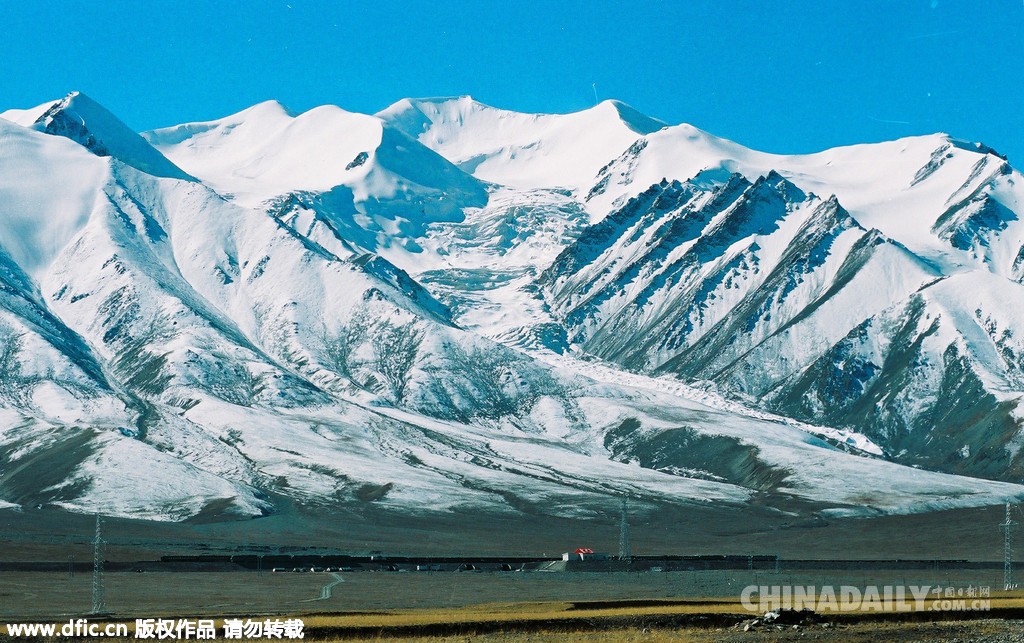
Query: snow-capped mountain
{"points": [[884, 305], [451, 306], [521, 150], [368, 179]]}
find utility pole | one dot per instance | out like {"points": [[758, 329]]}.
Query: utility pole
{"points": [[98, 604], [625, 553]]}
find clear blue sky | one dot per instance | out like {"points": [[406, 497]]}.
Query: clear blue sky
{"points": [[778, 76]]}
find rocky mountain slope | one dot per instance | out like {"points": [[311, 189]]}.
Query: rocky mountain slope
{"points": [[876, 294]]}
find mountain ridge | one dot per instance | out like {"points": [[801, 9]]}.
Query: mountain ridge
{"points": [[324, 307]]}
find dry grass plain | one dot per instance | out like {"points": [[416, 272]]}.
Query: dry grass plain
{"points": [[455, 607], [510, 607], [51, 595], [697, 620]]}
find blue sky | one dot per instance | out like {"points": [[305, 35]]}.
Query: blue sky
{"points": [[781, 77]]}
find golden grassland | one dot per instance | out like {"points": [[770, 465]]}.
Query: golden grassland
{"points": [[570, 610], [698, 620], [521, 612]]}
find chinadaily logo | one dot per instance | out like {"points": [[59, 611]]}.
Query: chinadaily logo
{"points": [[872, 598]]}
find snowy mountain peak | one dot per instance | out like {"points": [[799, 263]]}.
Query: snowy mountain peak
{"points": [[973, 146], [261, 115], [83, 120], [262, 120], [634, 119], [266, 107], [521, 149], [265, 152]]}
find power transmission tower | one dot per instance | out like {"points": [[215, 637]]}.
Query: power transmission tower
{"points": [[1007, 527], [625, 553], [98, 604]]}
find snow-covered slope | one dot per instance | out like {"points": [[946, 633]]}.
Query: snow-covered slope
{"points": [[380, 185], [88, 123], [521, 150], [798, 283], [321, 307], [900, 187], [28, 188]]}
